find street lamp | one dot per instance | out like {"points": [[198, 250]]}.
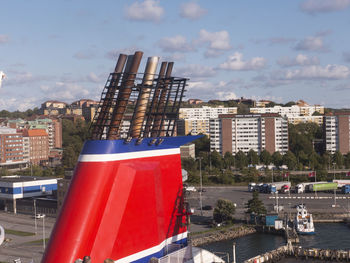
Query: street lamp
{"points": [[44, 231], [335, 190], [200, 181], [35, 225]]}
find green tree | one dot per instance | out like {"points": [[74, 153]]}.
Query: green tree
{"points": [[252, 157], [229, 160], [338, 159], [265, 157], [224, 211], [277, 159], [217, 160], [241, 160], [202, 144], [290, 160], [255, 205]]}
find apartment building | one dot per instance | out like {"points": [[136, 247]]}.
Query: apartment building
{"points": [[38, 145], [295, 113], [11, 148], [53, 107], [258, 132], [337, 132], [196, 120]]}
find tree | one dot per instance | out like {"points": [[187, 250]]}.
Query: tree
{"points": [[241, 160], [277, 159], [224, 211], [229, 160], [255, 205], [265, 157], [252, 157], [202, 144], [217, 160], [290, 160], [338, 159]]}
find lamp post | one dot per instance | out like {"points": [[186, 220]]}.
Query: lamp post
{"points": [[35, 225], [200, 182], [44, 232]]}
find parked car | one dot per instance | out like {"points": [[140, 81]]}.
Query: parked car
{"points": [[38, 216], [207, 207]]}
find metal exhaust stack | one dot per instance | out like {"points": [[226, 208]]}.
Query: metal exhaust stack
{"points": [[159, 119], [155, 99], [143, 98], [108, 100], [124, 94]]}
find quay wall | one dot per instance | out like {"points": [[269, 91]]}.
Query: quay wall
{"points": [[221, 234], [300, 253]]}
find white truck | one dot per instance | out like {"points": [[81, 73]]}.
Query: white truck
{"points": [[341, 182], [303, 187]]}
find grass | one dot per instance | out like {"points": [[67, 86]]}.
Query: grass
{"points": [[40, 241], [18, 233]]}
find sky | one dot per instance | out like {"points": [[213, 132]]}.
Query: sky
{"points": [[276, 50]]}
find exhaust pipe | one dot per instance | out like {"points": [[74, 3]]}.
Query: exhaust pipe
{"points": [[143, 98], [127, 84], [107, 102]]}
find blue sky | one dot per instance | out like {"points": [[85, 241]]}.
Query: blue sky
{"points": [[277, 50]]}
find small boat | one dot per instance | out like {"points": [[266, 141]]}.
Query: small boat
{"points": [[303, 221]]}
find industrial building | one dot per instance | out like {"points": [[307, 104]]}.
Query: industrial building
{"points": [[233, 133], [19, 187]]}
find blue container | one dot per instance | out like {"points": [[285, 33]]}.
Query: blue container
{"points": [[270, 220]]}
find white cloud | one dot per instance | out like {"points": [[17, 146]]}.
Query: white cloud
{"points": [[300, 59], [226, 95], [236, 62], [311, 44], [175, 44], [65, 91], [21, 104], [323, 6], [4, 39], [192, 10], [196, 72], [148, 10], [217, 42], [331, 72]]}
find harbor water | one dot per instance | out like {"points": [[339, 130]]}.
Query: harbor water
{"points": [[328, 235]]}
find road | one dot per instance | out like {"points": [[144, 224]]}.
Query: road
{"points": [[322, 203], [21, 247]]}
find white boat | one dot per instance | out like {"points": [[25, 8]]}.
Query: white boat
{"points": [[304, 223]]}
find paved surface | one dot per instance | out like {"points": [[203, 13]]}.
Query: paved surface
{"points": [[16, 246], [20, 247], [322, 203]]}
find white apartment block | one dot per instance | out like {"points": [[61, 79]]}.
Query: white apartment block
{"points": [[196, 120], [234, 133], [337, 132], [295, 114]]}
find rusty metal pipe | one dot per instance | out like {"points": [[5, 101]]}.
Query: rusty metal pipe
{"points": [[155, 99], [131, 68], [143, 98], [107, 101], [158, 122]]}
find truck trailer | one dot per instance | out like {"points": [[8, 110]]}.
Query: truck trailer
{"points": [[323, 187]]}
